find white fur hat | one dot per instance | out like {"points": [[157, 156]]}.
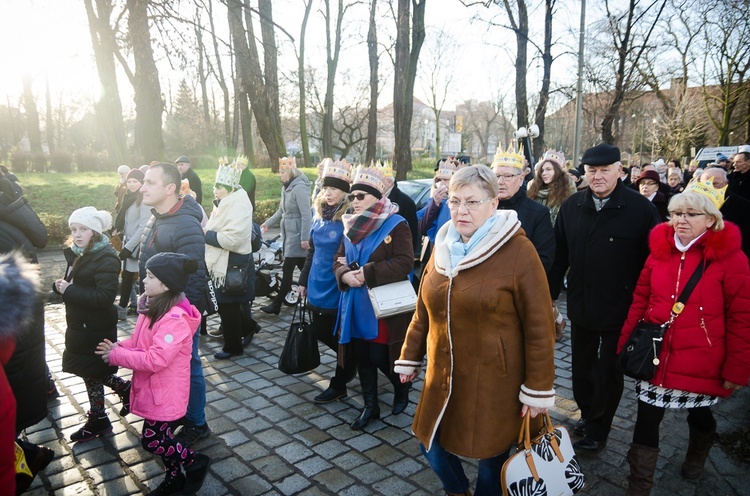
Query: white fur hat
{"points": [[96, 220]]}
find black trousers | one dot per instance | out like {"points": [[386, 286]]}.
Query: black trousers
{"points": [[287, 275], [323, 325], [126, 287], [597, 384], [646, 432], [236, 325], [375, 355]]}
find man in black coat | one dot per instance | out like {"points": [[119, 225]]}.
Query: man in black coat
{"points": [[736, 209], [187, 172], [175, 226], [739, 178], [602, 236], [406, 209]]}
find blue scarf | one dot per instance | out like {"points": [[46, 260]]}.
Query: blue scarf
{"points": [[459, 249], [97, 246], [356, 316]]}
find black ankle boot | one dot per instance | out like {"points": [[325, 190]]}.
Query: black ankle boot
{"points": [[274, 308], [97, 425], [125, 397], [368, 377], [400, 396]]}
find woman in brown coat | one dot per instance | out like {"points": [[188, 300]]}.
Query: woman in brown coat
{"points": [[376, 249], [488, 335]]}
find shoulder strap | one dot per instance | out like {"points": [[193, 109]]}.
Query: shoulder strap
{"points": [[690, 286]]}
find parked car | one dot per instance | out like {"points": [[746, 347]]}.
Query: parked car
{"points": [[418, 190], [708, 154]]}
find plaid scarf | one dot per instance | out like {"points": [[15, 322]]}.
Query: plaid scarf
{"points": [[358, 226]]}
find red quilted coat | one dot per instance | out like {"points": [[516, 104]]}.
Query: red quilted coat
{"points": [[709, 342]]}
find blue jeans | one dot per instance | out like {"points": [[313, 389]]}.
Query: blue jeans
{"points": [[196, 409], [449, 470]]}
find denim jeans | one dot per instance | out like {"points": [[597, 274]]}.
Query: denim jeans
{"points": [[196, 410], [449, 470]]}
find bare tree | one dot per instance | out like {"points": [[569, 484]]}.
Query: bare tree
{"points": [[32, 117], [149, 104], [630, 31], [541, 108], [304, 139], [109, 106], [726, 62], [409, 38], [372, 55], [437, 71]]}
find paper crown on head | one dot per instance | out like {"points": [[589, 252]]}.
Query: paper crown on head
{"points": [[707, 189], [555, 156], [241, 161], [446, 168], [510, 157], [228, 174], [337, 174], [371, 179], [185, 187], [287, 163]]}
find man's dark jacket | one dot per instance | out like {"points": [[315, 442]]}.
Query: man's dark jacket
{"points": [[605, 251], [179, 231], [536, 222], [408, 210], [739, 184], [195, 183]]}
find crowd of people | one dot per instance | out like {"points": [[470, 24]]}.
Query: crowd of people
{"points": [[502, 242]]}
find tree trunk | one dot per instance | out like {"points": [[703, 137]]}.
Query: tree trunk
{"points": [[372, 112], [333, 49], [203, 78], [263, 91], [541, 109], [219, 72], [302, 89], [32, 117], [49, 127], [520, 27], [407, 56], [149, 104], [109, 106]]}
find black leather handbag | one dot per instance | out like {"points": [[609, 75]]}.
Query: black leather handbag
{"points": [[300, 353], [640, 355], [235, 283]]}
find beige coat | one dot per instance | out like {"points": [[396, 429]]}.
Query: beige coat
{"points": [[487, 329]]}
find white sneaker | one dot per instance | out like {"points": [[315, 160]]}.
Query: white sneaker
{"points": [[216, 333]]}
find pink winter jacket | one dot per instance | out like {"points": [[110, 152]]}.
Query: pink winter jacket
{"points": [[160, 360]]}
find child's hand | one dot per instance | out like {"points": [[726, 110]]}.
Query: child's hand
{"points": [[104, 348]]}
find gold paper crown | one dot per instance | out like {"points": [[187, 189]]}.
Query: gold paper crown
{"points": [[446, 168], [185, 187], [509, 157], [386, 169], [324, 163], [340, 169], [374, 176], [241, 161], [287, 163], [228, 175], [707, 189], [555, 156]]}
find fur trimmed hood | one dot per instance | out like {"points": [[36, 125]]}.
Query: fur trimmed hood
{"points": [[19, 286], [715, 245]]}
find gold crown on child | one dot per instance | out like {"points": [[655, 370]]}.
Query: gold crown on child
{"points": [[510, 157], [228, 174]]}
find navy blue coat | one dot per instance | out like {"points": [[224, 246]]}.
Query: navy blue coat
{"points": [[536, 223]]}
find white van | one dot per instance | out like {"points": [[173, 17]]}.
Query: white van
{"points": [[708, 154]]}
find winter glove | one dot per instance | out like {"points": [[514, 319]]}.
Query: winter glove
{"points": [[125, 254]]}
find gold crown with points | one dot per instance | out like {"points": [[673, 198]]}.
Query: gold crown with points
{"points": [[241, 161], [446, 168], [287, 163], [373, 176], [707, 189], [386, 168], [510, 157], [340, 169]]}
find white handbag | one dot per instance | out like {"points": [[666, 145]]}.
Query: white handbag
{"points": [[393, 299], [545, 465]]}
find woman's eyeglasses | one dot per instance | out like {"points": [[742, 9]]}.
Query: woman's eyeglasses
{"points": [[454, 204], [689, 215], [506, 177], [357, 196]]}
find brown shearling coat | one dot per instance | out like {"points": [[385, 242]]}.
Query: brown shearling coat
{"points": [[487, 329]]}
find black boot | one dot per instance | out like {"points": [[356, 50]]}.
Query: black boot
{"points": [[368, 377], [172, 484], [642, 461], [125, 398], [97, 425], [697, 452], [400, 394], [274, 308]]}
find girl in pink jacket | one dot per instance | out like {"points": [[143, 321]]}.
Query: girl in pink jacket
{"points": [[159, 353]]}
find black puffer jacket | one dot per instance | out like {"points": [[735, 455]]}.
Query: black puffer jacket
{"points": [[178, 231], [20, 227], [89, 310]]}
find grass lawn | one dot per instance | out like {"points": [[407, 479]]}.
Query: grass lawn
{"points": [[54, 196]]}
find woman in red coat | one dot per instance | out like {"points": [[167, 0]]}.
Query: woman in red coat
{"points": [[706, 351]]}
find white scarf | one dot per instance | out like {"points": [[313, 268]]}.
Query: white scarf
{"points": [[232, 222]]}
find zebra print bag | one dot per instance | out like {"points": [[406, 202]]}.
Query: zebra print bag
{"points": [[544, 465]]}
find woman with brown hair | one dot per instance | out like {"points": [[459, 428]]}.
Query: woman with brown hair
{"points": [[551, 185]]}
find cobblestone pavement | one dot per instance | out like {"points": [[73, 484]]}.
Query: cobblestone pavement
{"points": [[269, 438]]}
